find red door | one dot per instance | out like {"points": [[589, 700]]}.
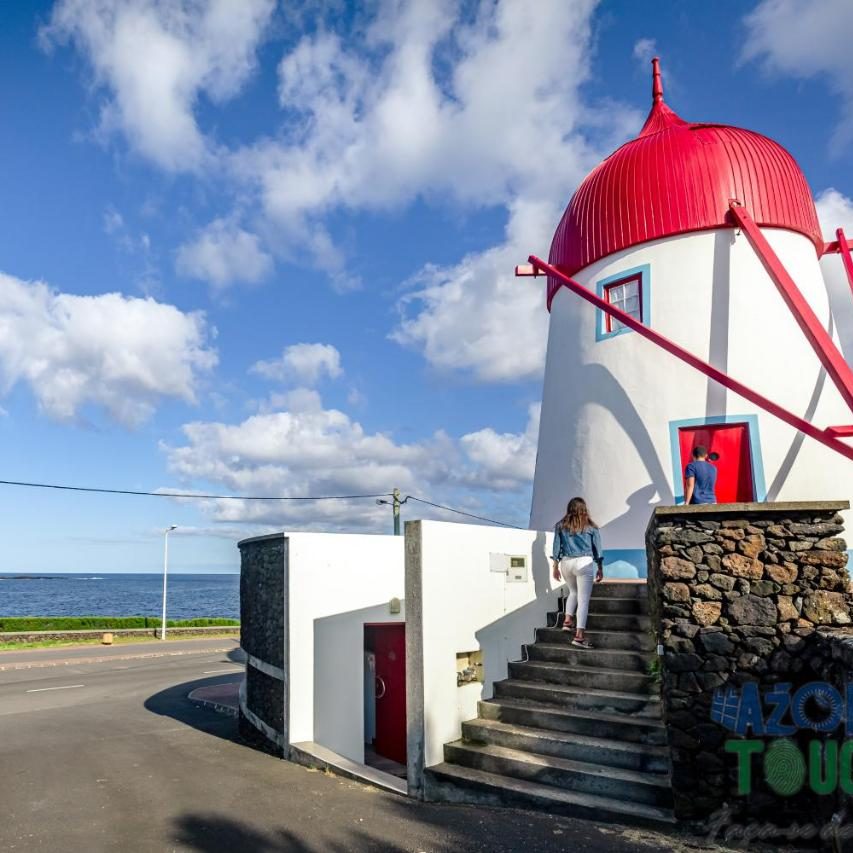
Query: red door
{"points": [[728, 450], [389, 646]]}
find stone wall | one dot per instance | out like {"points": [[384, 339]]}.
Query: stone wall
{"points": [[263, 624], [737, 592]]}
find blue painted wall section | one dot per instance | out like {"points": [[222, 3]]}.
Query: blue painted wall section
{"points": [[627, 563]]}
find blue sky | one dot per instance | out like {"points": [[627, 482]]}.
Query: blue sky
{"points": [[256, 249]]}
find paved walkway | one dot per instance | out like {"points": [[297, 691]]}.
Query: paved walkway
{"points": [[224, 698]]}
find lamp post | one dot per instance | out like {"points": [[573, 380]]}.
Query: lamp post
{"points": [[165, 575], [395, 505]]}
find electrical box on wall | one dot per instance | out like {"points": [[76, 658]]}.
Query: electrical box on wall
{"points": [[517, 570], [514, 566]]}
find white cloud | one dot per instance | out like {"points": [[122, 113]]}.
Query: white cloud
{"points": [[305, 363], [122, 354], [113, 220], [156, 59], [460, 106], [309, 450], [375, 123], [476, 316], [836, 210], [503, 460], [803, 39], [645, 49], [222, 254]]}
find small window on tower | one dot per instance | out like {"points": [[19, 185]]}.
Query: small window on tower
{"points": [[629, 292], [628, 297]]}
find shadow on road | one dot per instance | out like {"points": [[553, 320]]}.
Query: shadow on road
{"points": [[216, 834], [172, 702]]}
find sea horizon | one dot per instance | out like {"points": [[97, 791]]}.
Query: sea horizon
{"points": [[172, 572], [191, 594]]}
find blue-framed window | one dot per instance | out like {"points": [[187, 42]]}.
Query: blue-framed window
{"points": [[629, 290]]}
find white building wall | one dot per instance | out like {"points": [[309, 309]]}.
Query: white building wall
{"points": [[608, 404], [336, 583], [456, 604]]}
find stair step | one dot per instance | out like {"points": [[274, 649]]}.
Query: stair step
{"points": [[581, 676], [611, 622], [540, 715], [571, 745], [456, 784], [633, 641], [620, 589], [647, 788], [612, 604], [590, 698], [616, 659]]}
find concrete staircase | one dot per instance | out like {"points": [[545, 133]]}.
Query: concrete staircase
{"points": [[571, 731]]}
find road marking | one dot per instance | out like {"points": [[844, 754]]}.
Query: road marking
{"points": [[103, 659], [223, 672], [66, 687]]}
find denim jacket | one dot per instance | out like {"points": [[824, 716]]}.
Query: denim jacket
{"points": [[585, 544]]}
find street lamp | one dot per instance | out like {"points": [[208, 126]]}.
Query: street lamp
{"points": [[165, 574]]}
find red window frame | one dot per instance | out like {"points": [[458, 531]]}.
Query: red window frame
{"points": [[636, 277]]}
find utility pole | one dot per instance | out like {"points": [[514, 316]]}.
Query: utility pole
{"points": [[395, 503], [396, 510]]}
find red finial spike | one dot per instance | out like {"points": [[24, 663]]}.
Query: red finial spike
{"points": [[657, 84]]}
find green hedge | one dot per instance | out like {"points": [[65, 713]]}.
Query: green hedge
{"points": [[101, 623]]}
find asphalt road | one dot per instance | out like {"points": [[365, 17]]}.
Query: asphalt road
{"points": [[101, 751]]}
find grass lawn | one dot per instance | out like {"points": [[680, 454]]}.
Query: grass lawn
{"points": [[117, 641]]}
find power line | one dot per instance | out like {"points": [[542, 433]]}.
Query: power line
{"points": [[187, 495], [462, 512], [95, 490]]}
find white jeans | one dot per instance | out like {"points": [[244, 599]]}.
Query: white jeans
{"points": [[579, 575]]}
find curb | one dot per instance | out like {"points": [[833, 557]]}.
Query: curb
{"points": [[107, 658], [218, 707]]}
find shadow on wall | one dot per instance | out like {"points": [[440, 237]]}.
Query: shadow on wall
{"points": [[502, 640], [541, 567], [612, 396], [718, 351], [339, 677], [838, 292]]}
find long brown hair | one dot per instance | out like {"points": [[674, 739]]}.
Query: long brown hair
{"points": [[576, 519]]}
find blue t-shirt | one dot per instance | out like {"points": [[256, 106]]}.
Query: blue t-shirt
{"points": [[706, 478]]}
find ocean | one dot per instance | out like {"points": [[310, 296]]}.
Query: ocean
{"points": [[189, 596]]}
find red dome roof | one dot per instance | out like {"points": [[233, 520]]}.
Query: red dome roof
{"points": [[676, 177]]}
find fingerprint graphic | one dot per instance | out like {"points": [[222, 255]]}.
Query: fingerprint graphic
{"points": [[784, 767]]}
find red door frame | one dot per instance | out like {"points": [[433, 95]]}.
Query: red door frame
{"points": [[389, 649], [730, 441]]}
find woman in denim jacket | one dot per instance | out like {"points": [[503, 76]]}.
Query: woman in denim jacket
{"points": [[578, 558]]}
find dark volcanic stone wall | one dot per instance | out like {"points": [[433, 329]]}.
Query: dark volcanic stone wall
{"points": [[737, 592], [263, 632]]}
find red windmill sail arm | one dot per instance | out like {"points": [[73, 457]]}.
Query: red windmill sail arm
{"points": [[837, 368], [823, 436], [846, 257]]}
